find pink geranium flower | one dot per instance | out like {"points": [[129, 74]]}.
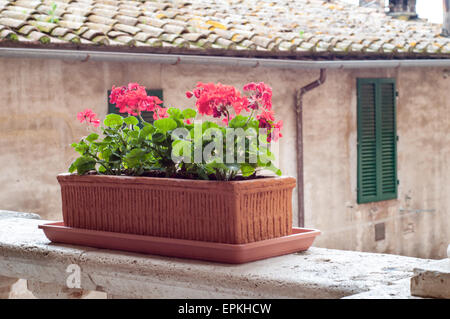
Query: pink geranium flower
{"points": [[133, 99], [160, 113], [261, 95], [218, 100]]}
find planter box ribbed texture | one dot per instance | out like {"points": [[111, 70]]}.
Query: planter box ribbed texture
{"points": [[235, 212]]}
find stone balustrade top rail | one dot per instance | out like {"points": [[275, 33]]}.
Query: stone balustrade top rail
{"points": [[26, 253]]}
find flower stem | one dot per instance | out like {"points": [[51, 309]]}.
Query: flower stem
{"points": [[228, 117], [141, 118], [248, 120]]}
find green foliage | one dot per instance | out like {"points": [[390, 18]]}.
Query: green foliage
{"points": [[131, 120], [113, 120], [239, 121], [189, 113], [172, 147], [165, 125]]}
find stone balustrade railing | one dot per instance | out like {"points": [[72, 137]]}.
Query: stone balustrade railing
{"points": [[51, 270]]}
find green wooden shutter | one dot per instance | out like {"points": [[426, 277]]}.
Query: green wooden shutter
{"points": [[388, 139], [147, 116], [367, 146], [377, 140]]}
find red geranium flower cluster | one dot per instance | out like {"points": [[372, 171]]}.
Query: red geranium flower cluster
{"points": [[267, 121], [261, 99], [216, 99], [133, 99], [89, 117], [160, 113]]}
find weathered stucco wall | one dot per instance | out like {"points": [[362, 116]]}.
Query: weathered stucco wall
{"points": [[40, 100]]}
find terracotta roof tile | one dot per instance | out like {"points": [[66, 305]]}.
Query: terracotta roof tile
{"points": [[12, 23], [203, 43], [98, 26], [15, 14], [154, 42], [70, 24], [173, 28], [26, 29], [45, 27], [126, 28], [70, 37], [125, 39], [312, 27], [123, 19], [104, 12], [193, 37], [28, 3], [90, 34], [59, 32], [8, 34], [74, 17]]}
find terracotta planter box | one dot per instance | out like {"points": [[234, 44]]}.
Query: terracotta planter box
{"points": [[235, 212]]}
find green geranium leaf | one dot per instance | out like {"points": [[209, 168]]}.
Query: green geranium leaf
{"points": [[107, 140], [72, 167], [133, 134], [214, 165], [174, 112], [81, 148], [82, 165], [274, 169], [134, 157], [266, 156], [189, 113], [238, 121], [178, 147], [146, 131], [165, 125], [105, 154], [158, 137], [92, 137], [253, 124], [247, 169], [262, 138], [113, 120], [202, 172], [131, 120], [207, 124]]}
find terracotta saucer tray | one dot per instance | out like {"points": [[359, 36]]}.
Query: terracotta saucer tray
{"points": [[299, 240]]}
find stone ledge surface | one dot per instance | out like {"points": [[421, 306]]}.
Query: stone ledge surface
{"points": [[11, 214], [432, 280], [396, 290], [26, 253]]}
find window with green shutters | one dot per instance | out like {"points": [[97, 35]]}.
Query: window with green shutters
{"points": [[147, 116], [377, 140]]}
